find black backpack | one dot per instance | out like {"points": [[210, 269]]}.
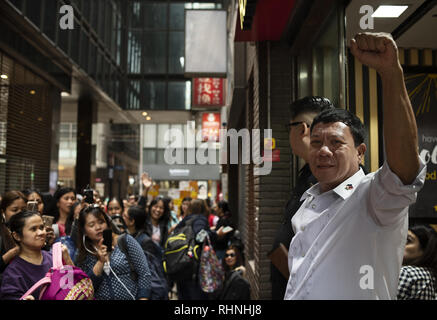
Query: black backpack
{"points": [[182, 253], [236, 287], [159, 285]]}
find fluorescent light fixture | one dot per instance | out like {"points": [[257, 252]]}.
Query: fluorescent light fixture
{"points": [[389, 11], [4, 76]]}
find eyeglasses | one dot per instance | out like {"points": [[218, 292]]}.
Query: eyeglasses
{"points": [[294, 124], [229, 255]]}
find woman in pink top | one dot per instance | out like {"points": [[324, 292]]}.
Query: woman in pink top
{"points": [[65, 198]]}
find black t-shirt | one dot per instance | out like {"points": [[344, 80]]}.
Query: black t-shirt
{"points": [[304, 181]]}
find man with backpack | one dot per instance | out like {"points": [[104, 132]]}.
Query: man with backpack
{"points": [[182, 252]]}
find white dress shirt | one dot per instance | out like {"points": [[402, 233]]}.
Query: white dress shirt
{"points": [[349, 241]]}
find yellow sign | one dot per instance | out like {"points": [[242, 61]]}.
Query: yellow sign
{"points": [[154, 191], [269, 143], [242, 4]]}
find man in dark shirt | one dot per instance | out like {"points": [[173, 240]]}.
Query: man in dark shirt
{"points": [[302, 113]]}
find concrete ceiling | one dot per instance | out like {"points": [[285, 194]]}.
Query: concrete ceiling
{"points": [[108, 111], [419, 35]]}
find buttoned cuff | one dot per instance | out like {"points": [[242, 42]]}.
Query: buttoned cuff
{"points": [[143, 293], [392, 183]]}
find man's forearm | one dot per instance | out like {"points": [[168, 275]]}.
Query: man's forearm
{"points": [[400, 129]]}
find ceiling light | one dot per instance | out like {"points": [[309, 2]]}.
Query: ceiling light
{"points": [[32, 91], [148, 118], [144, 113], [4, 76], [389, 11], [65, 94]]}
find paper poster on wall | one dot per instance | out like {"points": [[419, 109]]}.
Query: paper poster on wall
{"points": [[422, 89], [203, 189]]}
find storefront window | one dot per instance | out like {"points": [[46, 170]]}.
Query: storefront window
{"points": [[320, 71], [326, 65]]}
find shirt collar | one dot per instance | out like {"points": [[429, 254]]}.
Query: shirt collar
{"points": [[344, 189]]}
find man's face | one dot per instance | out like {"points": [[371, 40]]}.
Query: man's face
{"points": [[333, 157], [298, 134]]}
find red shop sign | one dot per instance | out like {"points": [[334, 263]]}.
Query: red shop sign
{"points": [[210, 127], [208, 92]]}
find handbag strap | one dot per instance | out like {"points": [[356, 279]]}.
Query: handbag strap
{"points": [[41, 282], [57, 256]]}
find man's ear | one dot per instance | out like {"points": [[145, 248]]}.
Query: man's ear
{"points": [[361, 149], [306, 130]]}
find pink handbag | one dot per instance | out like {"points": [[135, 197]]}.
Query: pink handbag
{"points": [[63, 282]]}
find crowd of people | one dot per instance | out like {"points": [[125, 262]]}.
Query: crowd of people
{"points": [[131, 266]]}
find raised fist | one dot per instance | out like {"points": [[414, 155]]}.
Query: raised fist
{"points": [[376, 50]]}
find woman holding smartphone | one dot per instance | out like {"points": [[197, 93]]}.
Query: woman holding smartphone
{"points": [[107, 266], [35, 203]]}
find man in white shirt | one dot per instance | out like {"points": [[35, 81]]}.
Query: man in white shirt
{"points": [[351, 229]]}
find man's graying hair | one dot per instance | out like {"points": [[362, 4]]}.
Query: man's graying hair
{"points": [[348, 118], [309, 104]]}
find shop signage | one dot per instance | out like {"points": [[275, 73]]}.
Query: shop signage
{"points": [[210, 127], [179, 172], [242, 6], [269, 143], [208, 92], [275, 156], [206, 43], [423, 95]]}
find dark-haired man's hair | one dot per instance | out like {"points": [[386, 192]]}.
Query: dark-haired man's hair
{"points": [[348, 118], [309, 104], [138, 214]]}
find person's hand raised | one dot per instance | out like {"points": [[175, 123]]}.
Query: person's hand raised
{"points": [[146, 180], [376, 50]]}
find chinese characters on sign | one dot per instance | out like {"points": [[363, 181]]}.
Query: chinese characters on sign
{"points": [[210, 127], [208, 92]]}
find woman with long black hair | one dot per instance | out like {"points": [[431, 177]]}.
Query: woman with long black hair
{"points": [[418, 276], [117, 274], [157, 219]]}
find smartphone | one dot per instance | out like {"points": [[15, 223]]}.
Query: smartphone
{"points": [[32, 206], [107, 239], [48, 220], [227, 229], [89, 195]]}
